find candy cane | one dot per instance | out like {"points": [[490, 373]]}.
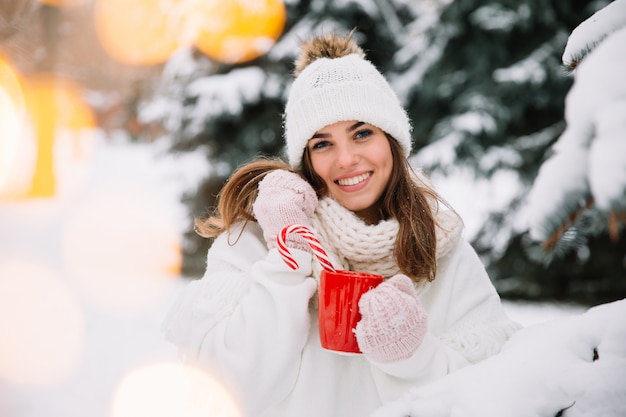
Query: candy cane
{"points": [[314, 244]]}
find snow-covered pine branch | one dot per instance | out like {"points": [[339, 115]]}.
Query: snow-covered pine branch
{"points": [[590, 33], [587, 171]]}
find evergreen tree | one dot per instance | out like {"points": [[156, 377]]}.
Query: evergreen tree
{"points": [[483, 85], [585, 175], [489, 85], [234, 112]]}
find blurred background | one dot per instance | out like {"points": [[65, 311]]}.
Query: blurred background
{"points": [[120, 121]]}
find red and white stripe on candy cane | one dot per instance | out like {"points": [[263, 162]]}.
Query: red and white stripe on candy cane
{"points": [[310, 238]]}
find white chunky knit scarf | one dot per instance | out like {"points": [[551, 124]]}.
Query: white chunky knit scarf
{"points": [[352, 244]]}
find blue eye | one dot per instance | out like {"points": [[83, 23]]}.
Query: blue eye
{"points": [[321, 144], [361, 134]]}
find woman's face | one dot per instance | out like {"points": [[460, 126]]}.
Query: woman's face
{"points": [[354, 159]]}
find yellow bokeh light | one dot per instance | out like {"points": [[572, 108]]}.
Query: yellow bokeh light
{"points": [[237, 31], [41, 323], [122, 249], [53, 103], [33, 111], [58, 101], [137, 32], [10, 82], [169, 389]]}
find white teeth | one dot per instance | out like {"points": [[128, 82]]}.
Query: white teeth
{"points": [[354, 180]]}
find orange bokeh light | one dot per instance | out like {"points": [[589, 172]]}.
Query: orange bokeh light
{"points": [[147, 32], [63, 3], [239, 30], [137, 32]]}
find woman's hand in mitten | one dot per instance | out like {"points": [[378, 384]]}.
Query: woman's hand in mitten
{"points": [[284, 198], [393, 323]]}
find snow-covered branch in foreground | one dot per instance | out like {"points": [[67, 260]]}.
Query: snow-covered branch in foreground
{"points": [[574, 367], [588, 166], [592, 31]]}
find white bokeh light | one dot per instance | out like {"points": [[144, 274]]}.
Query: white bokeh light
{"points": [[172, 389], [41, 323], [122, 249], [9, 138]]}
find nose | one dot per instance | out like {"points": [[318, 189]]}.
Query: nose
{"points": [[347, 155]]}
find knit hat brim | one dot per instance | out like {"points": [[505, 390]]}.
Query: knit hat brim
{"points": [[363, 96]]}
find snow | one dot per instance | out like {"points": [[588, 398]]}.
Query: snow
{"points": [[543, 370], [529, 70], [101, 342], [594, 29], [576, 365], [96, 340], [598, 101], [497, 17], [589, 158], [473, 197], [474, 122], [550, 192], [86, 278], [227, 93]]}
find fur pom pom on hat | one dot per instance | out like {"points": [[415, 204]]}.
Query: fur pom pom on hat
{"points": [[334, 82]]}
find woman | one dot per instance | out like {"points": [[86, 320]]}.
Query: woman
{"points": [[253, 321]]}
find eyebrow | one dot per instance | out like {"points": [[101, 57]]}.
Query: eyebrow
{"points": [[349, 129]]}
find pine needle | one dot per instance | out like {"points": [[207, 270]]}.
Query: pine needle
{"points": [[570, 66]]}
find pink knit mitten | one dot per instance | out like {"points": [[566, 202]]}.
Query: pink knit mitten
{"points": [[284, 198], [393, 323]]}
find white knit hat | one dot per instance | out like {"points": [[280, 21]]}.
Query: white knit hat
{"points": [[345, 88]]}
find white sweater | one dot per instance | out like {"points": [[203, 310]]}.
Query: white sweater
{"points": [[251, 322]]}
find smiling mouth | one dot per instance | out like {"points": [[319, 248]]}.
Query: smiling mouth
{"points": [[354, 180]]}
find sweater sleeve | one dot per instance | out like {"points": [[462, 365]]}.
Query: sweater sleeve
{"points": [[247, 320], [467, 322]]}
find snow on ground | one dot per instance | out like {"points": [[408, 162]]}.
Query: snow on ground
{"points": [[86, 276], [67, 356], [573, 366]]}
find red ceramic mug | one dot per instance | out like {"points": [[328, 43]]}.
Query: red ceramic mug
{"points": [[338, 307]]}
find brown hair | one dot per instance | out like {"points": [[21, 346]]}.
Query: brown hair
{"points": [[234, 201], [411, 202], [408, 199]]}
